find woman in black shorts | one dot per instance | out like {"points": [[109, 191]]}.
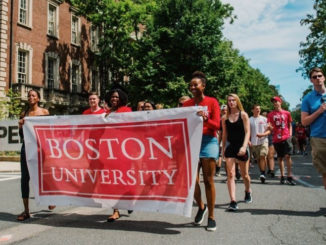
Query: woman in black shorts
{"points": [[236, 131]]}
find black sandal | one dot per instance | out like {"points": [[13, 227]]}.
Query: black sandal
{"points": [[23, 216]]}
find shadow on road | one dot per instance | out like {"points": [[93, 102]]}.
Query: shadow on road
{"points": [[320, 212], [98, 222]]}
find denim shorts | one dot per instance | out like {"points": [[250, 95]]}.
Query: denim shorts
{"points": [[209, 147]]}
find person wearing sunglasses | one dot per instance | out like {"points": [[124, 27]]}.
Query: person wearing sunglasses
{"points": [[313, 114]]}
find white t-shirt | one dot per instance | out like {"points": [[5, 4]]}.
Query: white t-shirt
{"points": [[258, 125]]}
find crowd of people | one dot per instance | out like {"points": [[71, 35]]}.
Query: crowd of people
{"points": [[229, 135]]}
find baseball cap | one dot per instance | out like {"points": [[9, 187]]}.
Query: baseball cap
{"points": [[277, 99]]}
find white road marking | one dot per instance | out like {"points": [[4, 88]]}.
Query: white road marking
{"points": [[26, 230], [5, 238], [302, 182], [9, 176]]}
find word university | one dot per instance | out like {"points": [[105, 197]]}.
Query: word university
{"points": [[139, 160]]}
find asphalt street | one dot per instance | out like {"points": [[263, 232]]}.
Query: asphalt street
{"points": [[279, 214]]}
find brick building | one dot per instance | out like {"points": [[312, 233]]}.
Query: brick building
{"points": [[44, 45]]}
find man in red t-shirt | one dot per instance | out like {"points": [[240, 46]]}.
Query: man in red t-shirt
{"points": [[280, 124], [93, 101]]}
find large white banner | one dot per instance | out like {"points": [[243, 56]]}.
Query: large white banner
{"points": [[137, 161], [9, 136]]}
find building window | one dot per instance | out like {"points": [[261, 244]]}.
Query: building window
{"points": [[75, 76], [25, 12], [22, 66], [75, 30], [52, 70], [53, 20], [24, 57], [94, 34], [95, 80]]}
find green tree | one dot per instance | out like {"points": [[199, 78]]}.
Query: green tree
{"points": [[183, 36], [178, 38], [10, 105], [119, 23], [313, 50]]}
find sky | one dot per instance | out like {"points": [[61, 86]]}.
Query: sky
{"points": [[268, 33]]}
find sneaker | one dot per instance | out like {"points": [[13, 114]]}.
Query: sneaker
{"points": [[200, 216], [272, 174], [217, 173], [290, 181], [211, 225], [233, 206], [262, 178], [282, 180], [248, 197]]}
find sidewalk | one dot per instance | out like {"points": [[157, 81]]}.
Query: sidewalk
{"points": [[9, 166]]}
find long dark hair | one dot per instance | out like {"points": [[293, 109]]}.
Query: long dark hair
{"points": [[123, 97]]}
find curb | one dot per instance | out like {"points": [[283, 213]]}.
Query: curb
{"points": [[9, 158]]}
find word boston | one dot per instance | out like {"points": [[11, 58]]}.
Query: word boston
{"points": [[139, 161]]}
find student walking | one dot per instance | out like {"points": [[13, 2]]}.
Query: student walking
{"points": [[209, 147], [313, 113], [33, 110], [280, 124], [236, 130], [259, 140]]}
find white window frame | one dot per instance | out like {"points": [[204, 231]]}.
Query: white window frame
{"points": [[24, 47], [53, 56], [78, 78], [73, 16], [28, 12], [55, 5]]}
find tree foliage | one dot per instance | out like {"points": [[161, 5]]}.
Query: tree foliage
{"points": [[10, 106], [180, 37], [117, 21], [313, 50]]}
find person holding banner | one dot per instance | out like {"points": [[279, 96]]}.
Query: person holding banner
{"points": [[93, 100], [117, 101], [33, 110], [236, 131], [209, 147]]}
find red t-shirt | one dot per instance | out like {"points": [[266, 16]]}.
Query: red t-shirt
{"points": [[213, 123], [88, 111], [120, 109], [280, 121], [301, 132]]}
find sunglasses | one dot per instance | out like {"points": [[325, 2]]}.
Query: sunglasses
{"points": [[319, 76]]}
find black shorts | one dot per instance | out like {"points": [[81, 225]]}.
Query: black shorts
{"points": [[232, 150], [302, 141], [283, 148]]}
